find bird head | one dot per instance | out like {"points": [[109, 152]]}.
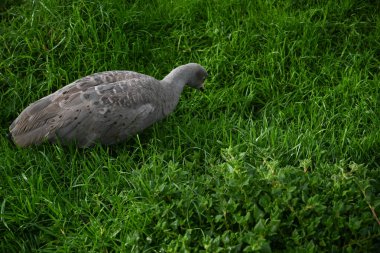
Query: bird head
{"points": [[196, 75]]}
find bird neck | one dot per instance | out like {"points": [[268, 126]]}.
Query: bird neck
{"points": [[177, 78], [173, 85]]}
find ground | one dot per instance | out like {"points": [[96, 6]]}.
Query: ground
{"points": [[280, 153]]}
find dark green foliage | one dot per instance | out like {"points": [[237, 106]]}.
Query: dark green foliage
{"points": [[280, 154]]}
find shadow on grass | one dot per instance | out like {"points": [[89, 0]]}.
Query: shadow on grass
{"points": [[7, 4]]}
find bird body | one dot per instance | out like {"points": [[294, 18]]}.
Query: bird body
{"points": [[108, 107]]}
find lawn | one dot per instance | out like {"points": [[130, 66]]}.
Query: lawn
{"points": [[281, 153]]}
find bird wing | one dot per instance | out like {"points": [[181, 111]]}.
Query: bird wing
{"points": [[90, 109], [106, 77]]}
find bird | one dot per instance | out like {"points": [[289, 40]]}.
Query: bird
{"points": [[106, 107]]}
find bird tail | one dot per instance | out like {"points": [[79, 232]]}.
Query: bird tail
{"points": [[9, 137]]}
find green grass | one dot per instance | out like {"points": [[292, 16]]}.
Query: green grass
{"points": [[281, 153]]}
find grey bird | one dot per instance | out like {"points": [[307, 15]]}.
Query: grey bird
{"points": [[106, 107]]}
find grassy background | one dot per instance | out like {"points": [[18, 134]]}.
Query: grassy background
{"points": [[280, 154]]}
